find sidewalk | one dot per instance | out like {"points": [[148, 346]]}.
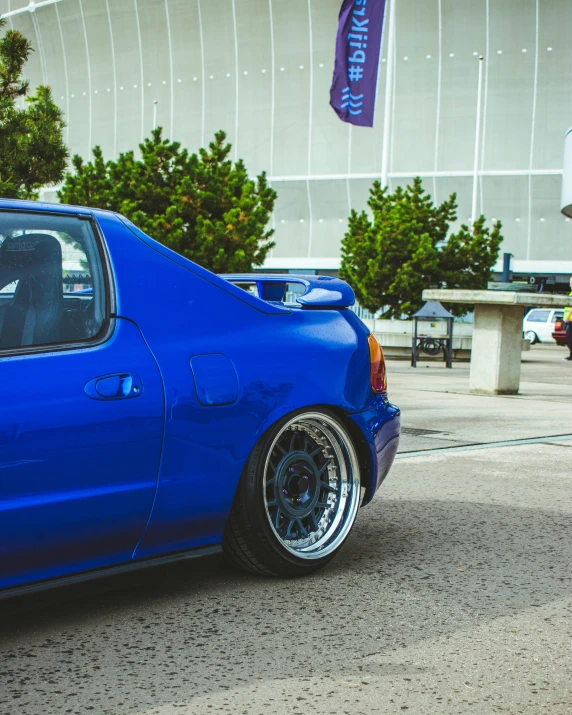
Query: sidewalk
{"points": [[438, 410]]}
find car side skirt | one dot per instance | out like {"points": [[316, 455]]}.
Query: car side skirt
{"points": [[108, 571]]}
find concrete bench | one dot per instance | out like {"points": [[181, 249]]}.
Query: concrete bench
{"points": [[497, 333]]}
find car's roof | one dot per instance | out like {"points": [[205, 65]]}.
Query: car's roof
{"points": [[547, 308], [44, 206]]}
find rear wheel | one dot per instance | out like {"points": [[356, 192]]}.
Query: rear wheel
{"points": [[298, 497], [531, 336]]}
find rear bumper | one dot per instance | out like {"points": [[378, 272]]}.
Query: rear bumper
{"points": [[380, 424]]}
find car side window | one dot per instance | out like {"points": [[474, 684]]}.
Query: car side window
{"points": [[538, 316], [52, 286]]}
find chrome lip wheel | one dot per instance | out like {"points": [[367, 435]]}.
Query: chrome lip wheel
{"points": [[311, 485]]}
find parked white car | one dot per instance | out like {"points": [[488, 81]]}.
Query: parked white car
{"points": [[538, 324]]}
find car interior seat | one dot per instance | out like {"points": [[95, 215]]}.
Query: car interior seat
{"points": [[33, 316]]}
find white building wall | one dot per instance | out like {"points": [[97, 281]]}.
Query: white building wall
{"points": [[261, 69]]}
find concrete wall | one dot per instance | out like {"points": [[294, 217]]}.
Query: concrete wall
{"points": [[260, 69]]}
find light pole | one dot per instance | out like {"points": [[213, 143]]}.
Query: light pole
{"points": [[477, 143], [390, 10]]}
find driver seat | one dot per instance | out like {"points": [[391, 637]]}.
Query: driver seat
{"points": [[34, 315]]}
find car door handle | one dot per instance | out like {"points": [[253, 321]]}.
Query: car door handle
{"points": [[120, 386]]}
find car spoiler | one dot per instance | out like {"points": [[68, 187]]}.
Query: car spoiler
{"points": [[320, 291]]}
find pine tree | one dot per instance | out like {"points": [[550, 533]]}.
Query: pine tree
{"points": [[201, 205], [404, 247], [32, 150], [466, 259]]}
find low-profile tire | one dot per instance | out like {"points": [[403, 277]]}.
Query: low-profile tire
{"points": [[298, 497], [531, 336]]}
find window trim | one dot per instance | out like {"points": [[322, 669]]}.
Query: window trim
{"points": [[108, 325]]}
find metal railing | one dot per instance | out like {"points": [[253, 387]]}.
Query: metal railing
{"points": [[362, 313]]}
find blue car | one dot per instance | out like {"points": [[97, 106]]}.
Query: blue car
{"points": [[162, 411]]}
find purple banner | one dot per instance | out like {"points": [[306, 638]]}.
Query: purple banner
{"points": [[358, 44]]}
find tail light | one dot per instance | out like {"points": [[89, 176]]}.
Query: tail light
{"points": [[377, 373], [558, 325]]}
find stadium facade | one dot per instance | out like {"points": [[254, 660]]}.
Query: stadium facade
{"points": [[261, 69]]}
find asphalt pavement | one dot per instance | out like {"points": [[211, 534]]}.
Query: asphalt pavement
{"points": [[452, 595]]}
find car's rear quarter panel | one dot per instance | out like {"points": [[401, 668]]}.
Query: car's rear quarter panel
{"points": [[284, 361]]}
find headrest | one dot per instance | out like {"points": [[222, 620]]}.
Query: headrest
{"points": [[30, 251]]}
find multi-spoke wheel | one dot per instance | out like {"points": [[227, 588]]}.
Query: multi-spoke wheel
{"points": [[298, 497]]}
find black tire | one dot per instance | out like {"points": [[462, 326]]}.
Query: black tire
{"points": [[298, 497], [532, 337]]}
